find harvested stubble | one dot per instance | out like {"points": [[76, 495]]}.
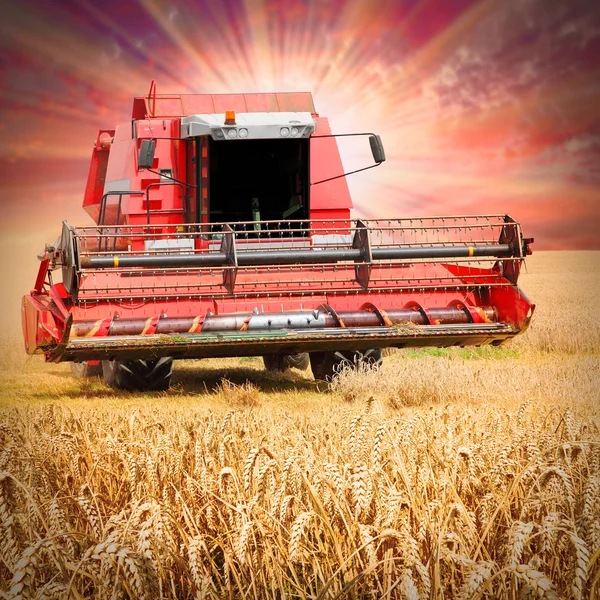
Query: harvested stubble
{"points": [[565, 286]]}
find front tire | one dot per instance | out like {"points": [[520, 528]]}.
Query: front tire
{"points": [[138, 375], [326, 366], [282, 362]]}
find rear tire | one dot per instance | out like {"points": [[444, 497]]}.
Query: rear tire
{"points": [[83, 370], [327, 365], [138, 375], [282, 362]]}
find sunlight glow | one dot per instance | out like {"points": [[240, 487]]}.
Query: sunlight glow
{"points": [[483, 106]]}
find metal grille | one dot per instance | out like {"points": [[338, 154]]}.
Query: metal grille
{"points": [[295, 257]]}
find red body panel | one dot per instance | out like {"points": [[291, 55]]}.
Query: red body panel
{"points": [[94, 189]]}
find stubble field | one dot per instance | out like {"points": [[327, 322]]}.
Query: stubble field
{"points": [[458, 473]]}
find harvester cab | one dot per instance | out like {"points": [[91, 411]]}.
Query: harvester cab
{"points": [[213, 239]]}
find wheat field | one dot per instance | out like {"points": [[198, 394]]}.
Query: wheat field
{"points": [[450, 473]]}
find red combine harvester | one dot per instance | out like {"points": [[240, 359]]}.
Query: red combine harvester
{"points": [[220, 231]]}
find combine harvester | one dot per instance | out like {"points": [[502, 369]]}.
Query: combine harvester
{"points": [[220, 231]]}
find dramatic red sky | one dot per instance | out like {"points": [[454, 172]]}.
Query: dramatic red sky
{"points": [[484, 106]]}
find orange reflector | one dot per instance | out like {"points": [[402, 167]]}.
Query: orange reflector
{"points": [[230, 117]]}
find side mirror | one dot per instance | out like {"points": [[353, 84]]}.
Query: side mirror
{"points": [[146, 155], [376, 149]]}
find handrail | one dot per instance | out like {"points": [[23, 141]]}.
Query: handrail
{"points": [[102, 212], [158, 184]]}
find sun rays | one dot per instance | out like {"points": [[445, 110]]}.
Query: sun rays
{"points": [[482, 106]]}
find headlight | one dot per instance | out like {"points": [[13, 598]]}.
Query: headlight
{"points": [[232, 133], [219, 133], [243, 132], [284, 132], [294, 131]]}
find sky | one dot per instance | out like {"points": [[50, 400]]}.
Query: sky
{"points": [[484, 106]]}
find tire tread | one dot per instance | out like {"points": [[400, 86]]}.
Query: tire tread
{"points": [[138, 375]]}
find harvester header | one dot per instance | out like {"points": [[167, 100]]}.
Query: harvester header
{"points": [[223, 227]]}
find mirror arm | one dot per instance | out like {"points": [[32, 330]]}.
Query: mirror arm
{"points": [[376, 150], [339, 135], [344, 174]]}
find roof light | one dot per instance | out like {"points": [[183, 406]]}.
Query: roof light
{"points": [[230, 117]]}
